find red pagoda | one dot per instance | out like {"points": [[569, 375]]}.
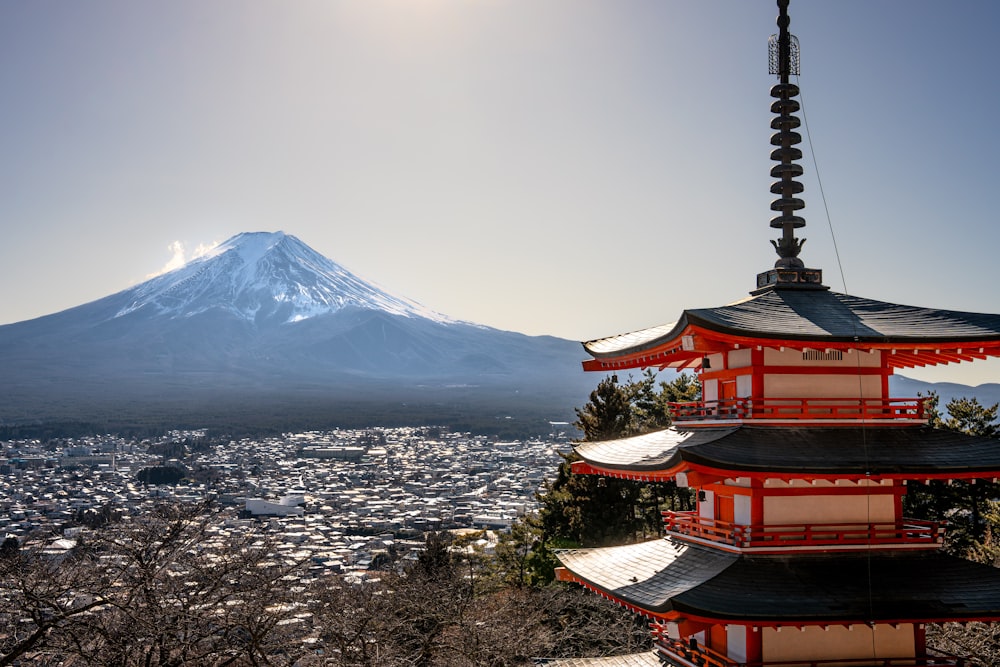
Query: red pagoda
{"points": [[798, 552]]}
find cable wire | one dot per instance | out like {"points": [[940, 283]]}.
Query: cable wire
{"points": [[857, 351], [822, 193]]}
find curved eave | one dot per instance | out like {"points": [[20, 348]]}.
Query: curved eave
{"points": [[911, 452], [651, 452], [798, 320], [647, 576], [664, 579], [659, 346]]}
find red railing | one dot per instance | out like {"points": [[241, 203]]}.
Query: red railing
{"points": [[909, 532], [799, 408], [690, 652]]}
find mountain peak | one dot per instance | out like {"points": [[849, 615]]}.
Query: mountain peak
{"points": [[264, 277]]}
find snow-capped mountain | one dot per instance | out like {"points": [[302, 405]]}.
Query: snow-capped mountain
{"points": [[265, 276], [264, 321]]}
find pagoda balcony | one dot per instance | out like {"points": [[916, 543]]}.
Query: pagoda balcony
{"points": [[689, 653], [909, 410], [909, 533]]}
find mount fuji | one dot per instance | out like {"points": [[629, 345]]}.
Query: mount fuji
{"points": [[263, 331], [267, 279]]}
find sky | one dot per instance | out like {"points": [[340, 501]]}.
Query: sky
{"points": [[577, 168]]}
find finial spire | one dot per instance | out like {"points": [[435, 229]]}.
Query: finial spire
{"points": [[783, 52]]}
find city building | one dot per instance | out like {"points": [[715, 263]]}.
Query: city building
{"points": [[798, 552]]}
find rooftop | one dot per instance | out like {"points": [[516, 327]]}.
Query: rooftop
{"points": [[803, 319], [905, 452], [664, 577]]}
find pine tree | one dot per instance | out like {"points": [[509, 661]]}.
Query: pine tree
{"points": [[587, 510], [969, 508]]}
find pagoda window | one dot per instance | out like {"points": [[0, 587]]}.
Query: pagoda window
{"points": [[821, 357], [742, 510], [799, 502], [739, 358], [826, 355], [823, 373], [706, 504], [808, 385], [837, 642], [736, 642], [710, 390], [786, 510]]}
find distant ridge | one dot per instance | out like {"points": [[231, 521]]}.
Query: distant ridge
{"points": [[986, 394], [265, 329]]}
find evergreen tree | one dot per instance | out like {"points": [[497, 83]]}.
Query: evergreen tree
{"points": [[969, 508], [609, 413], [521, 557], [589, 510], [968, 416]]}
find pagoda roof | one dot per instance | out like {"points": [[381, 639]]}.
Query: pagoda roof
{"points": [[902, 452], [665, 578], [814, 318]]}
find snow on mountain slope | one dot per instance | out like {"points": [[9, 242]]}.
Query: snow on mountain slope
{"points": [[264, 277]]}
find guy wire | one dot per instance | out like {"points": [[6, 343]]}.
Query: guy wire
{"points": [[857, 351]]}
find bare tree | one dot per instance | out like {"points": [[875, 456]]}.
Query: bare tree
{"points": [[448, 611], [175, 588], [981, 640], [160, 590], [42, 595]]}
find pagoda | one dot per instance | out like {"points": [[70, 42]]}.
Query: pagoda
{"points": [[798, 552]]}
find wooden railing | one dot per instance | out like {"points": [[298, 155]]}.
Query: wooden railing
{"points": [[690, 652], [907, 532], [799, 408]]}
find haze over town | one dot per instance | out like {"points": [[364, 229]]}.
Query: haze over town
{"points": [[574, 168]]}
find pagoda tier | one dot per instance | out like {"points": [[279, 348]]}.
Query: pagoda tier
{"points": [[667, 579], [703, 455], [712, 609], [795, 319]]}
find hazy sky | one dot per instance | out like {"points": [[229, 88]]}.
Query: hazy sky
{"points": [[569, 167]]}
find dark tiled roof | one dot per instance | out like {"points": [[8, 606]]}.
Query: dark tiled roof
{"points": [[647, 659], [815, 315], [653, 451], [910, 450], [649, 574], [880, 586]]}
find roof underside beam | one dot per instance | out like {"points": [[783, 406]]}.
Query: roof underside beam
{"points": [[696, 622], [687, 350], [694, 475]]}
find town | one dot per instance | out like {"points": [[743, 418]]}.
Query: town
{"points": [[336, 499]]}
